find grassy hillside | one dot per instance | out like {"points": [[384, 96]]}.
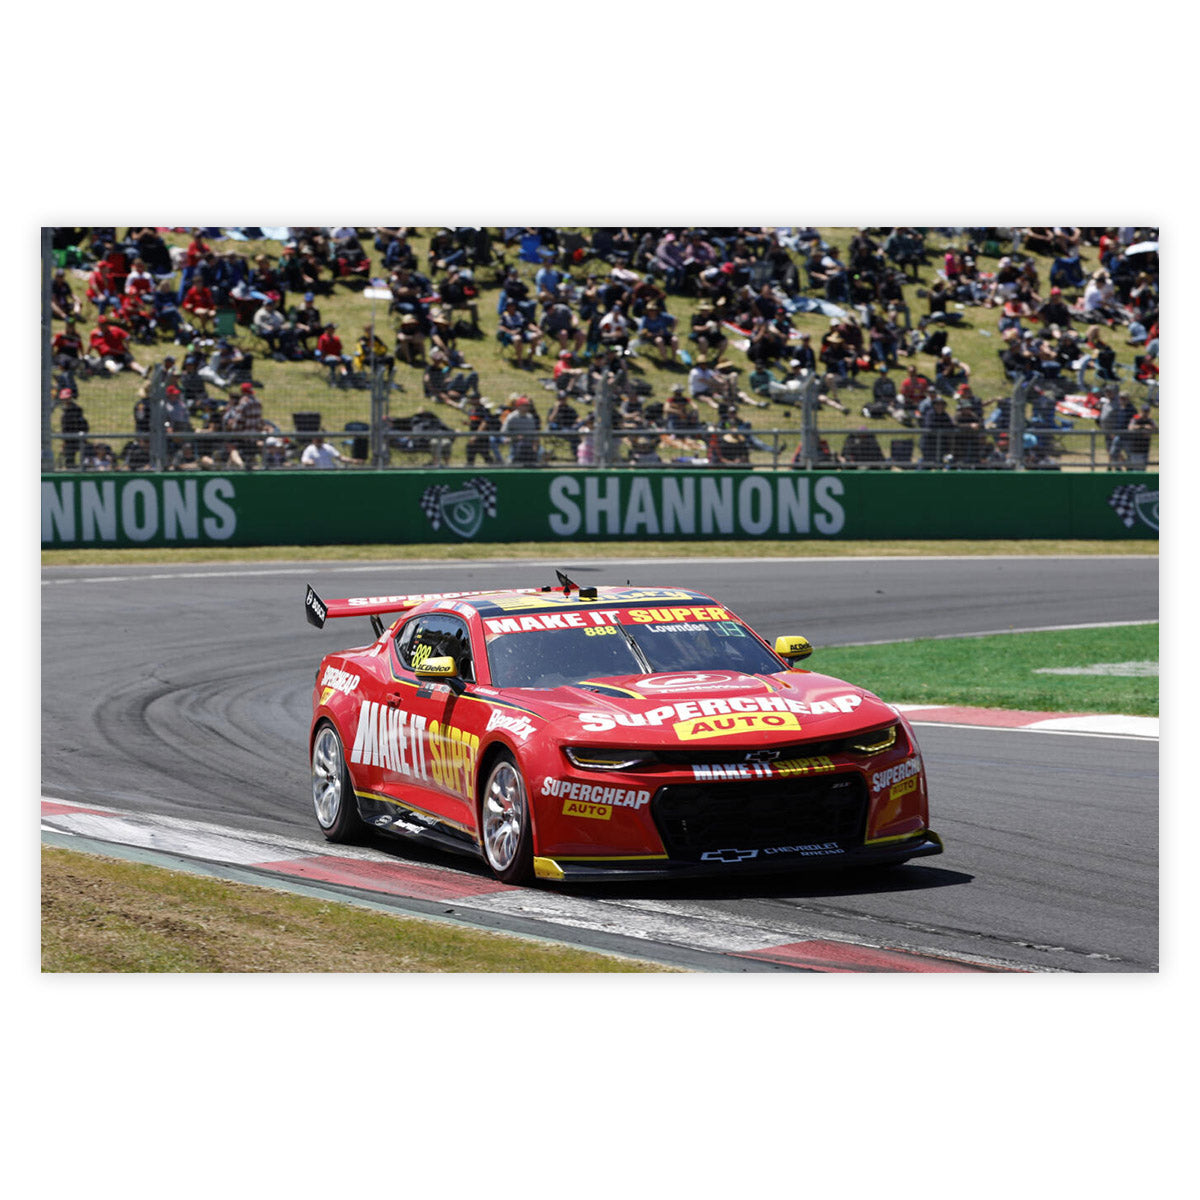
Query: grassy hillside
{"points": [[292, 387]]}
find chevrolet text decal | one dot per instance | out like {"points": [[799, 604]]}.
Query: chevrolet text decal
{"points": [[711, 717], [540, 622]]}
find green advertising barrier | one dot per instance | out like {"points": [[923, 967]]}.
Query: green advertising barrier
{"points": [[320, 508]]}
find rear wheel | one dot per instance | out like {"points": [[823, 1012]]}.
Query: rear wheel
{"points": [[333, 791], [505, 828]]}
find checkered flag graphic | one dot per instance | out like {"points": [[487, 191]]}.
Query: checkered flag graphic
{"points": [[487, 491], [431, 498], [431, 503], [1124, 501]]}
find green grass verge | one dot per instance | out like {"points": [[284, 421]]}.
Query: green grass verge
{"points": [[105, 915], [574, 551], [1001, 671]]}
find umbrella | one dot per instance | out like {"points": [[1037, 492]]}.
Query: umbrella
{"points": [[1142, 248]]}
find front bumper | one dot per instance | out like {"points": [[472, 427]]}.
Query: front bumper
{"points": [[740, 862]]}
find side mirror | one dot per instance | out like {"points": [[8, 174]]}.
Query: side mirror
{"points": [[792, 649], [437, 668]]}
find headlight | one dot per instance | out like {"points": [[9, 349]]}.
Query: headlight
{"points": [[587, 759], [874, 742]]}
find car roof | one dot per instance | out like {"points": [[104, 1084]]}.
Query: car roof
{"points": [[500, 603]]}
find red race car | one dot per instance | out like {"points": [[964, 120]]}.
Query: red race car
{"points": [[605, 733]]}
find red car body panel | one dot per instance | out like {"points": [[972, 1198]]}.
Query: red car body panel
{"points": [[777, 769]]}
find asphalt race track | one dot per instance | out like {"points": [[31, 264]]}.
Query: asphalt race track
{"points": [[185, 691]]}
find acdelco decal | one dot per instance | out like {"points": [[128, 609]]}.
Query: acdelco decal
{"points": [[588, 793], [716, 706], [339, 681], [700, 728], [901, 771]]}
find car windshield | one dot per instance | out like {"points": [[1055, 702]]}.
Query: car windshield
{"points": [[554, 657]]}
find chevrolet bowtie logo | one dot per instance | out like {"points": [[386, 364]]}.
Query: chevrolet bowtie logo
{"points": [[728, 856], [762, 756]]}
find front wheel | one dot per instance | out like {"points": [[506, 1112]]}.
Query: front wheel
{"points": [[504, 823], [333, 790]]}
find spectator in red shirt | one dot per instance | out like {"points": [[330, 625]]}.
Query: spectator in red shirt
{"points": [[100, 290], [67, 347], [914, 389], [198, 303], [197, 249], [329, 350], [110, 342]]}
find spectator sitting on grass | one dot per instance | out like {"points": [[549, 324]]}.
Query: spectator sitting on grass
{"points": [[706, 331], [200, 306], [271, 325], [63, 304], [227, 366], [306, 322], [458, 295], [410, 339], [329, 351], [562, 326], [614, 328], [657, 329], [519, 333], [442, 388], [110, 343], [568, 377]]}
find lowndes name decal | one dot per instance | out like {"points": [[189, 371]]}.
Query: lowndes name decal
{"points": [[715, 716]]}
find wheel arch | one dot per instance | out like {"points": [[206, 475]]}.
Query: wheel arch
{"points": [[488, 756]]}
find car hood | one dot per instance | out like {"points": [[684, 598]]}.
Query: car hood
{"points": [[714, 708]]}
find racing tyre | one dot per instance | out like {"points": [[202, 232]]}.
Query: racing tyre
{"points": [[504, 823], [333, 791]]}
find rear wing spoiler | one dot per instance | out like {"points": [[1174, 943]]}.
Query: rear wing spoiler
{"points": [[318, 611]]}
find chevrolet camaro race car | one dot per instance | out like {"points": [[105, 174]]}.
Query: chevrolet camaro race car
{"points": [[605, 733]]}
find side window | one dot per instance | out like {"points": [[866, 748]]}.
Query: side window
{"points": [[433, 636]]}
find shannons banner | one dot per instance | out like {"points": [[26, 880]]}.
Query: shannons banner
{"points": [[261, 509]]}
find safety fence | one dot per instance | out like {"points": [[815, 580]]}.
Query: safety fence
{"points": [[1030, 430]]}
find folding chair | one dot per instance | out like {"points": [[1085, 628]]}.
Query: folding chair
{"points": [[306, 422]]}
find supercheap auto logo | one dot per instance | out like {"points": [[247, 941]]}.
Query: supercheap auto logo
{"points": [[700, 728], [716, 716]]}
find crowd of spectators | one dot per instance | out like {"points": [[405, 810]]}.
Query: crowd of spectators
{"points": [[586, 309]]}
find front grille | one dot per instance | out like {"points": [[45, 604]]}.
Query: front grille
{"points": [[756, 815]]}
